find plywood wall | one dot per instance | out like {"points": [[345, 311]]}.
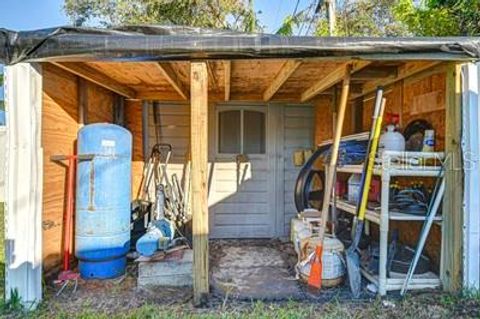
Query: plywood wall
{"points": [[324, 120], [133, 122], [100, 104], [59, 134]]}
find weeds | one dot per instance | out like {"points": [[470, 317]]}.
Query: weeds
{"points": [[13, 305]]}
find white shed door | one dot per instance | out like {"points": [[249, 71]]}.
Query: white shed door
{"points": [[241, 193]]}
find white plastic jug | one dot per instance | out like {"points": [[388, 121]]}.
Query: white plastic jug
{"points": [[391, 140]]}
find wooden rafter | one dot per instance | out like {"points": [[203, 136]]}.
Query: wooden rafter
{"points": [[88, 73], [333, 78], [282, 76], [212, 77], [373, 73], [228, 74], [405, 71], [172, 78]]}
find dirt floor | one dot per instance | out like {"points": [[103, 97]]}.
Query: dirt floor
{"points": [[120, 298]]}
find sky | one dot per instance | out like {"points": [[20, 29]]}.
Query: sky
{"points": [[37, 14]]}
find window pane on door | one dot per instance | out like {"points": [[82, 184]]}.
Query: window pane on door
{"points": [[253, 132], [229, 132]]}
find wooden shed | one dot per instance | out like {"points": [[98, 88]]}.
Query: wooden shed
{"points": [[238, 106]]}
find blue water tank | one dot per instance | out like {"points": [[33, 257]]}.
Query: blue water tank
{"points": [[102, 220]]}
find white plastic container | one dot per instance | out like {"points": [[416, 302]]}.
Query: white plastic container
{"points": [[428, 141], [354, 187], [391, 140]]}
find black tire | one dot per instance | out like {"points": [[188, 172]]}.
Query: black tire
{"points": [[303, 195]]}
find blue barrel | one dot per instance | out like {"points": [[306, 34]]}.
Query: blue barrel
{"points": [[102, 220]]}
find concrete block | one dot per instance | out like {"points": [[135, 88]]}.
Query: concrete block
{"points": [[172, 271]]}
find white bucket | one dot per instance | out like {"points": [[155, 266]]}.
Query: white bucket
{"points": [[333, 265]]}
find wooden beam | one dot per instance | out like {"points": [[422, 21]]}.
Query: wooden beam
{"points": [[172, 78], [227, 65], [452, 225], [88, 73], [199, 180], [333, 78], [282, 76], [374, 73], [82, 102], [405, 71], [158, 95], [437, 69], [212, 76]]}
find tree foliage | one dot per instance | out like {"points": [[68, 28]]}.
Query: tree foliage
{"points": [[353, 17], [217, 14], [440, 17], [365, 18]]}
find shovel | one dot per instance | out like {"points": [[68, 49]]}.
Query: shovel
{"points": [[352, 254]]}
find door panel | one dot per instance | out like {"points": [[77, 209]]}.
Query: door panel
{"points": [[254, 199], [240, 200]]}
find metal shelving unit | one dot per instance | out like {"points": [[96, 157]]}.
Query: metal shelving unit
{"points": [[393, 164]]}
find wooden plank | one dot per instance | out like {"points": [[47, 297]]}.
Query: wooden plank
{"points": [[212, 77], [199, 180], [374, 73], [92, 75], [282, 76], [451, 272], [333, 160], [133, 122], [333, 78], [172, 78], [437, 69], [82, 102], [405, 71], [227, 78]]}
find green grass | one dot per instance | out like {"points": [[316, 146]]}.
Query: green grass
{"points": [[427, 305]]}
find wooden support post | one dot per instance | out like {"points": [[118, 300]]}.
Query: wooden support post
{"points": [[451, 270], [199, 178]]}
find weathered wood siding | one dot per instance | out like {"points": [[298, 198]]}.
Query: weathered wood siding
{"points": [[298, 135], [173, 125]]}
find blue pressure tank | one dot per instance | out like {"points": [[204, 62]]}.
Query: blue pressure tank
{"points": [[102, 220]]}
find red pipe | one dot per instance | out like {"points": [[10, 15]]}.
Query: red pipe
{"points": [[67, 241]]}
